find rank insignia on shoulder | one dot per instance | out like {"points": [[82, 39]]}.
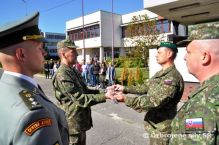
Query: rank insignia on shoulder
{"points": [[29, 99], [168, 82], [33, 127], [194, 124]]}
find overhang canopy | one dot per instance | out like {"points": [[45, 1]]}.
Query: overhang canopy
{"points": [[186, 12]]}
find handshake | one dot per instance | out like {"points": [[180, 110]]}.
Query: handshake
{"points": [[115, 93]]}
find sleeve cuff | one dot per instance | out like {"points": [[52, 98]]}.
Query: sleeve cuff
{"points": [[100, 97], [129, 101]]}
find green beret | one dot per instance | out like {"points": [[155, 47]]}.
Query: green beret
{"points": [[169, 45], [66, 43], [20, 30]]}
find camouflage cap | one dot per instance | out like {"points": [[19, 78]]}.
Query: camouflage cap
{"points": [[66, 43], [169, 45], [202, 32], [21, 30]]}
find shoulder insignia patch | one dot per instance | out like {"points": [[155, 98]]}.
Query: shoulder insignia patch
{"points": [[33, 127], [29, 99], [168, 82]]}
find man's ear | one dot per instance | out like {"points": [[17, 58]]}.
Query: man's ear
{"points": [[206, 58], [20, 54], [170, 53]]}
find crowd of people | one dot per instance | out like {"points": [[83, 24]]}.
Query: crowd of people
{"points": [[28, 117], [95, 74], [50, 67]]}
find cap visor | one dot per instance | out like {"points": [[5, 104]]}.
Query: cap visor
{"points": [[183, 43]]}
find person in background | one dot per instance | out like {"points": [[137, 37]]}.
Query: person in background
{"points": [[55, 67], [96, 72], [90, 74], [51, 71], [73, 94], [197, 122], [111, 74], [158, 97], [46, 69], [28, 117], [103, 69], [84, 71]]}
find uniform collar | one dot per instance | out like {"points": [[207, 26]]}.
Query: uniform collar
{"points": [[164, 72], [214, 78], [27, 78]]}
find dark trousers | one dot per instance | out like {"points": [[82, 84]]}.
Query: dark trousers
{"points": [[78, 139]]}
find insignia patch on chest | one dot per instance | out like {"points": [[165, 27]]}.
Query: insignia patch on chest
{"points": [[194, 124], [168, 82], [33, 127]]}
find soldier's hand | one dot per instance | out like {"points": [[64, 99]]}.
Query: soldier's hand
{"points": [[120, 97], [118, 87], [109, 94]]}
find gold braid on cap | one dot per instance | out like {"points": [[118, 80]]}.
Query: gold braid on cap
{"points": [[32, 37]]}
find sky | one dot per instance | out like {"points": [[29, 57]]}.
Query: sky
{"points": [[55, 13]]}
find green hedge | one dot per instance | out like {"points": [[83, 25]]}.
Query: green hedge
{"points": [[127, 62]]}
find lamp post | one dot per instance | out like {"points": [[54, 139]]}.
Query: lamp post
{"points": [[25, 6], [83, 49], [112, 35]]}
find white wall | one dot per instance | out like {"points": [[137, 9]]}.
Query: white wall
{"points": [[179, 62], [88, 19], [148, 3], [89, 43], [106, 29], [128, 17]]}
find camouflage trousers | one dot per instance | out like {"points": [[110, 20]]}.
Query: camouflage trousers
{"points": [[159, 141], [159, 135], [78, 139]]}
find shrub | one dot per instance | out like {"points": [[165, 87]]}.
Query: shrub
{"points": [[130, 78], [124, 74]]}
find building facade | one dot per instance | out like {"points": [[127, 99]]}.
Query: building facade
{"points": [[102, 27], [51, 45]]}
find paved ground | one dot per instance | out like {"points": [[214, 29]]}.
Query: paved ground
{"points": [[113, 124]]}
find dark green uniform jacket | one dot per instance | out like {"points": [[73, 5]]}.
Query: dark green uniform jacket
{"points": [[160, 97], [197, 122], [27, 116], [75, 98]]}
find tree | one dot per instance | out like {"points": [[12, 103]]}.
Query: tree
{"points": [[141, 33]]}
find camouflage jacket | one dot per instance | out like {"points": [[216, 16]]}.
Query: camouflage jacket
{"points": [[161, 95], [198, 119], [75, 98]]}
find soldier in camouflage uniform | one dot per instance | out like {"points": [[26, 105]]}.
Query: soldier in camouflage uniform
{"points": [[160, 95], [73, 94], [197, 122]]}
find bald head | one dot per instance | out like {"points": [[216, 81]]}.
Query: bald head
{"points": [[202, 58]]}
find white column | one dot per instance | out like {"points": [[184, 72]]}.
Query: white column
{"points": [[101, 54], [122, 51]]}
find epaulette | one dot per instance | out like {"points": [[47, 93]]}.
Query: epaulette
{"points": [[29, 99]]}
